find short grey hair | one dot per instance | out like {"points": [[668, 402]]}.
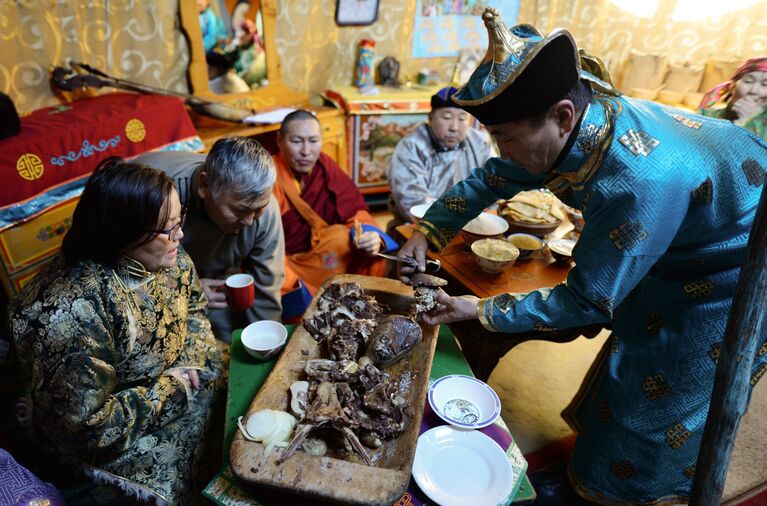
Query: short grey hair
{"points": [[240, 168]]}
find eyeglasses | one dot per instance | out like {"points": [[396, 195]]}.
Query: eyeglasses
{"points": [[173, 231]]}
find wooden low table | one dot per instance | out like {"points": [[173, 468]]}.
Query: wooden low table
{"points": [[482, 348], [465, 277]]}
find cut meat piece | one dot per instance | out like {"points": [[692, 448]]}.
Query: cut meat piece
{"points": [[394, 337], [426, 287]]}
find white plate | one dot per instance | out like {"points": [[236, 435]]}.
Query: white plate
{"points": [[419, 210], [462, 467], [464, 401]]}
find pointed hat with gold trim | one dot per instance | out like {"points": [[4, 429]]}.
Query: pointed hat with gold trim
{"points": [[522, 73]]}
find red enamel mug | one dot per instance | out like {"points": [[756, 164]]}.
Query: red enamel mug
{"points": [[239, 288]]}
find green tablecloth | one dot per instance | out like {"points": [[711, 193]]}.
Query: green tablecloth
{"points": [[246, 375]]}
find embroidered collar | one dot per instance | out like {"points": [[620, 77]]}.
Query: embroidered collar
{"points": [[586, 153], [133, 279], [132, 273]]}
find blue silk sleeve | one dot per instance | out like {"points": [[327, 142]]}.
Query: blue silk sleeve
{"points": [[630, 224], [498, 179]]}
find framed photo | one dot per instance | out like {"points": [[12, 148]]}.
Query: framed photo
{"points": [[374, 138], [356, 12]]}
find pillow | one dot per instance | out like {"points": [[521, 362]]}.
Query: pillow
{"points": [[643, 70], [684, 77], [719, 70], [643, 93]]}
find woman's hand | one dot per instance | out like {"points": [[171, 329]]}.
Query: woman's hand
{"points": [[452, 309], [212, 289], [369, 242], [746, 108], [192, 376]]}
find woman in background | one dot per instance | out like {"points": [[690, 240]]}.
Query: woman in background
{"points": [[118, 372], [743, 99]]}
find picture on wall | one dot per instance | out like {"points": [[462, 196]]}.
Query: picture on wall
{"points": [[356, 12], [376, 137], [443, 27]]}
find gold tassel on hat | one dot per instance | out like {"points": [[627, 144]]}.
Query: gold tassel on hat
{"points": [[595, 66], [502, 43]]}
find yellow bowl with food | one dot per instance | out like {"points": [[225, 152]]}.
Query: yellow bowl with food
{"points": [[527, 244], [494, 255], [484, 226]]}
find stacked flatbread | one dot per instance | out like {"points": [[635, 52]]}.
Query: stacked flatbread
{"points": [[535, 207]]}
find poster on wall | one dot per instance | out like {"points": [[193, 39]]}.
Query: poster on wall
{"points": [[443, 27]]}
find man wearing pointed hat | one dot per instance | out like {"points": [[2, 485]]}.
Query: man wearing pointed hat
{"points": [[668, 198], [435, 156]]}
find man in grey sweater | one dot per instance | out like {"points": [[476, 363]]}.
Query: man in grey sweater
{"points": [[233, 223]]}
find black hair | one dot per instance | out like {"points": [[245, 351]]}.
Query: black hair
{"points": [[120, 204], [219, 60], [10, 124], [579, 95], [297, 115]]}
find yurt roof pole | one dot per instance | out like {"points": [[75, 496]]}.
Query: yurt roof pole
{"points": [[729, 399]]}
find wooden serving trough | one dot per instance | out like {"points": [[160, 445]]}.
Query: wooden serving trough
{"points": [[339, 476]]}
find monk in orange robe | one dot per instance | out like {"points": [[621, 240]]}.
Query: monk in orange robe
{"points": [[320, 206]]}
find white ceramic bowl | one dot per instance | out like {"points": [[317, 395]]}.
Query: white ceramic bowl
{"points": [[494, 255], [484, 226], [464, 401], [562, 250], [264, 339], [418, 211]]}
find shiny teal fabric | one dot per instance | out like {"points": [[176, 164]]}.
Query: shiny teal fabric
{"points": [[482, 83], [668, 198]]}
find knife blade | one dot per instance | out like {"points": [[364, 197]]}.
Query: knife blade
{"points": [[433, 265]]}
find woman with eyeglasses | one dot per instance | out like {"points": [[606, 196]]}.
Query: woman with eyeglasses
{"points": [[118, 373]]}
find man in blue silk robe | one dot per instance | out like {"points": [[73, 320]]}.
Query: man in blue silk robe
{"points": [[668, 198]]}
